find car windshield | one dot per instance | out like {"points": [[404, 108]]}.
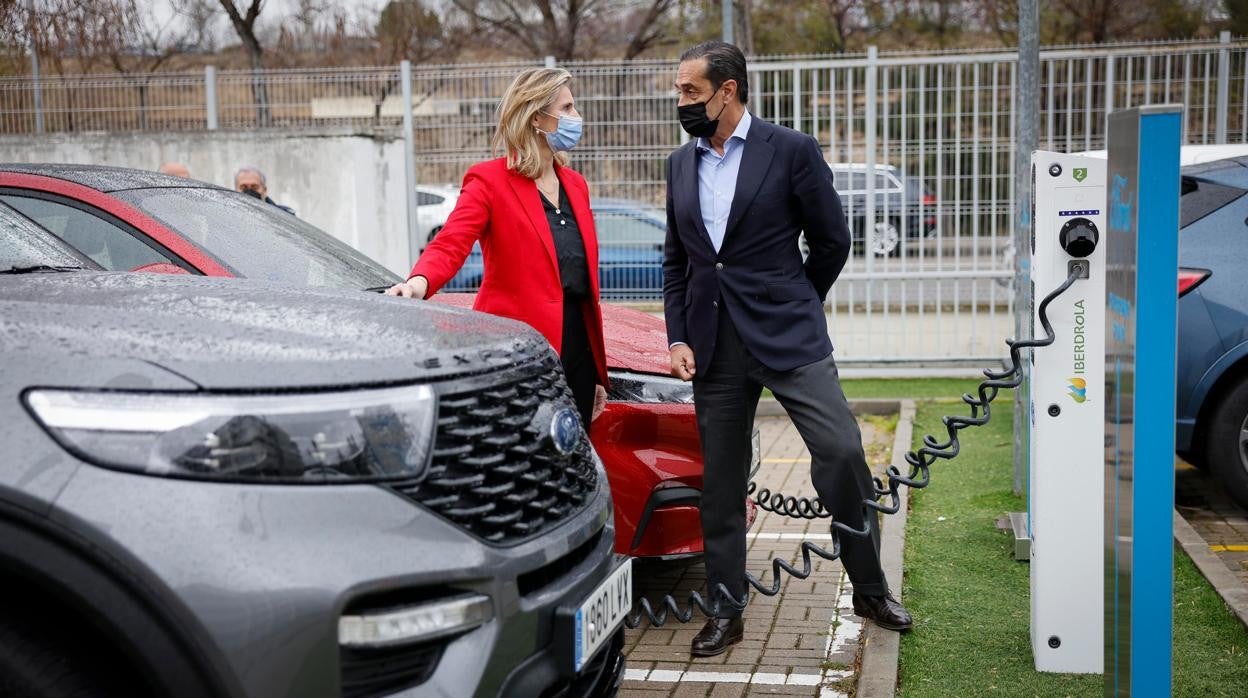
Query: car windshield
{"points": [[257, 240], [24, 245]]}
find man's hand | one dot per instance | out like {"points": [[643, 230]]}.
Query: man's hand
{"points": [[415, 287], [683, 366]]}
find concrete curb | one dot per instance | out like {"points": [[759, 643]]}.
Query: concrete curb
{"points": [[1224, 581], [877, 678]]}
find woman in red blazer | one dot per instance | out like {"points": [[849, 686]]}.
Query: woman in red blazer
{"points": [[531, 214]]}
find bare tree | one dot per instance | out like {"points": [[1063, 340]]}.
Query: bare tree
{"points": [[649, 28], [245, 26], [199, 17], [408, 29], [568, 29]]}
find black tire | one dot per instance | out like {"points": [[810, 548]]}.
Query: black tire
{"points": [[34, 663], [1227, 448], [433, 234]]}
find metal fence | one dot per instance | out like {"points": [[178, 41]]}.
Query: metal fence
{"points": [[921, 146]]}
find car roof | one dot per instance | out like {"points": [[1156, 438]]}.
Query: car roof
{"points": [[860, 166], [614, 204], [1230, 171], [103, 177]]}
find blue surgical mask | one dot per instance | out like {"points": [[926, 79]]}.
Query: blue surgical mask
{"points": [[566, 135]]}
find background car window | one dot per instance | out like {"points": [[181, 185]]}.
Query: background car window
{"points": [[625, 229], [259, 240], [883, 181], [424, 198], [1200, 198], [111, 247], [24, 244], [857, 181]]}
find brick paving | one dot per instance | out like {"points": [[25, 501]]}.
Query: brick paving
{"points": [[801, 642], [1216, 517]]}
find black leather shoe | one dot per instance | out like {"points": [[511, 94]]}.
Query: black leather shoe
{"points": [[884, 610], [716, 636]]}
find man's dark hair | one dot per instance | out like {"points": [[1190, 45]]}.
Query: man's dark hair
{"points": [[723, 62]]}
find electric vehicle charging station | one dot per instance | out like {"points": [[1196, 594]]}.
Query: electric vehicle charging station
{"points": [[1067, 402]]}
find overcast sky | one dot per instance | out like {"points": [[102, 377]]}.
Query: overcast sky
{"points": [[272, 12]]}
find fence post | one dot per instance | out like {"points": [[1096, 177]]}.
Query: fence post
{"points": [[1224, 85], [210, 95], [409, 160], [869, 95], [1027, 121], [550, 61], [797, 100]]}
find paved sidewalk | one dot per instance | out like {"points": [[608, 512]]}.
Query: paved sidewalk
{"points": [[804, 641], [1213, 530]]}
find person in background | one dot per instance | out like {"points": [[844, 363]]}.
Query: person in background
{"points": [[531, 214], [175, 169], [250, 180]]}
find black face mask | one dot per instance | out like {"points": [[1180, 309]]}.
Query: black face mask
{"points": [[694, 120]]}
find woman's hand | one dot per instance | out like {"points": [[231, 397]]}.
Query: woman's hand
{"points": [[416, 287], [600, 402]]}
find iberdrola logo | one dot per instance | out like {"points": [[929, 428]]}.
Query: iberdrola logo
{"points": [[1078, 389]]}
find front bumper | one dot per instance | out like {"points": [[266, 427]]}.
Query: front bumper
{"points": [[260, 576]]}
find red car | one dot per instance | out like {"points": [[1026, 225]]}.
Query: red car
{"points": [[131, 220]]}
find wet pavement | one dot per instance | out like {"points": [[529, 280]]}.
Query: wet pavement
{"points": [[803, 641], [1218, 520]]}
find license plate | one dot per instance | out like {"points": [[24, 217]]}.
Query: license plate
{"points": [[603, 612]]}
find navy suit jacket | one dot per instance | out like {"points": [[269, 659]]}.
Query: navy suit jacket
{"points": [[775, 301]]}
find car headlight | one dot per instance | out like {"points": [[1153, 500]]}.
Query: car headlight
{"points": [[365, 435], [644, 387]]}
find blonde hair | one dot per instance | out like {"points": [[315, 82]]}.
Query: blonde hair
{"points": [[531, 92]]}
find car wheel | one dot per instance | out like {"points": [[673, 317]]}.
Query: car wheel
{"points": [[1227, 447], [34, 663], [433, 234], [886, 241]]}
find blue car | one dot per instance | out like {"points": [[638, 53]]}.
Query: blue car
{"points": [[630, 252], [1212, 405]]}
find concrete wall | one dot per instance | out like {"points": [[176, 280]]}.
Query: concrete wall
{"points": [[347, 183]]}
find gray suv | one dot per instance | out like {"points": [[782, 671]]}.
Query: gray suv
{"points": [[228, 488]]}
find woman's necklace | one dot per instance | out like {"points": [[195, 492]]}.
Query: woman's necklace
{"points": [[550, 191]]}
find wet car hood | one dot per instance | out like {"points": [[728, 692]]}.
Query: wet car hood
{"points": [[240, 334], [635, 341]]}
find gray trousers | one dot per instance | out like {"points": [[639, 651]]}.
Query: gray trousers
{"points": [[726, 396]]}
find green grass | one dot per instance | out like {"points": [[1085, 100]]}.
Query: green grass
{"points": [[970, 597], [897, 388], [915, 388]]}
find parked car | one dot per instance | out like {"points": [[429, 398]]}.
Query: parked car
{"points": [[1212, 390], [433, 206], [221, 487], [904, 208], [630, 252], [132, 220], [648, 437]]}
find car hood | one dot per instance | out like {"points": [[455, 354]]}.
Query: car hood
{"points": [[240, 334], [635, 341]]}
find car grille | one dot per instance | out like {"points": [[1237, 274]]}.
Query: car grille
{"points": [[367, 673], [495, 470]]}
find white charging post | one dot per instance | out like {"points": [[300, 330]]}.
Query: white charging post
{"points": [[1066, 386]]}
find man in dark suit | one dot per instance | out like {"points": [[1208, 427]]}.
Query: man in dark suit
{"points": [[743, 313]]}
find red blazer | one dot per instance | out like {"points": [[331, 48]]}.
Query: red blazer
{"points": [[502, 209]]}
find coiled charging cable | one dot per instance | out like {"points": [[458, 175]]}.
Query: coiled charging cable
{"points": [[919, 476]]}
